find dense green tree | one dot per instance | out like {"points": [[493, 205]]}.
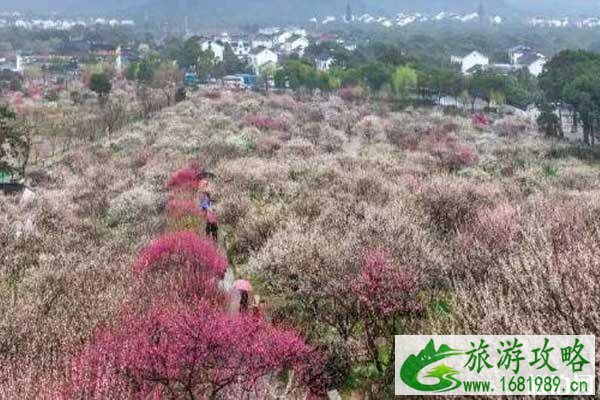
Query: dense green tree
{"points": [[143, 70], [14, 143], [172, 48], [548, 121], [205, 64], [100, 83], [280, 79], [132, 70], [346, 77], [190, 54], [563, 69], [440, 82], [384, 53], [376, 74], [231, 63], [342, 57], [487, 85], [146, 71], [521, 89], [298, 73], [404, 82], [583, 94], [166, 77], [570, 80]]}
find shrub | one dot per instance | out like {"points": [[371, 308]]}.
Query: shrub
{"points": [[180, 265], [180, 94], [213, 94], [267, 146], [141, 158], [450, 154], [132, 205], [184, 214], [185, 178], [183, 249], [300, 148], [217, 149], [465, 156], [179, 352], [233, 207], [353, 94], [495, 229], [551, 278], [384, 289], [332, 141], [369, 128], [282, 101], [510, 127], [257, 227], [243, 142], [452, 206], [480, 120], [180, 208], [267, 123]]}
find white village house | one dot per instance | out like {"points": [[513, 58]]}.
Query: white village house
{"points": [[16, 66], [216, 47], [535, 64], [324, 62], [473, 59], [260, 57], [240, 48], [262, 41], [526, 57], [296, 44], [283, 37]]}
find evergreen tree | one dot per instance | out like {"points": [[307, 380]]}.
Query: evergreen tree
{"points": [[482, 11], [231, 63], [14, 143], [348, 16]]}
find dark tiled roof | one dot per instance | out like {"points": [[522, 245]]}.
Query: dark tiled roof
{"points": [[258, 50], [528, 59]]}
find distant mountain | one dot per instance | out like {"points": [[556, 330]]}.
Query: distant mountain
{"points": [[282, 11], [287, 11], [557, 7], [72, 7]]}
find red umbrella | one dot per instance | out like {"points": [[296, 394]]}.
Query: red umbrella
{"points": [[242, 284]]}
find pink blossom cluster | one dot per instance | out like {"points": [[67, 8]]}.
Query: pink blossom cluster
{"points": [[184, 344], [448, 150], [466, 155], [185, 178], [182, 208], [213, 94], [352, 94], [183, 249], [267, 123], [495, 228], [190, 352], [480, 120], [385, 289]]}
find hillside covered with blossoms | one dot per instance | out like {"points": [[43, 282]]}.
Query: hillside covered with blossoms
{"points": [[352, 221]]}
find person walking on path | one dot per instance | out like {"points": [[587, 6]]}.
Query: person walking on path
{"points": [[206, 201], [243, 288], [212, 225]]}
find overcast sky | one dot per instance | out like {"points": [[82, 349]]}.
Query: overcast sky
{"points": [[108, 6]]}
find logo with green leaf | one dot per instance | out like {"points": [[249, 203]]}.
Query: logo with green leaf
{"points": [[445, 375]]}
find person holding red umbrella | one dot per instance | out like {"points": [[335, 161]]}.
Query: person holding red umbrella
{"points": [[244, 288]]}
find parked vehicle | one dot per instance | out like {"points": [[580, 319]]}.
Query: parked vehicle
{"points": [[240, 81], [191, 79], [9, 184]]}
